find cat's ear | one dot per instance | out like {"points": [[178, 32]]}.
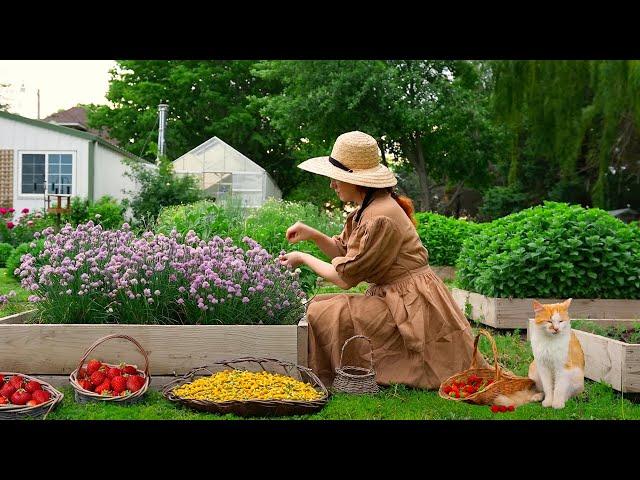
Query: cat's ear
{"points": [[537, 306], [567, 302]]}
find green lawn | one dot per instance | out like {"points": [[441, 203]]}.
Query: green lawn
{"points": [[17, 304], [598, 401]]}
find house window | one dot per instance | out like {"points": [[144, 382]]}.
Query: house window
{"points": [[46, 173]]}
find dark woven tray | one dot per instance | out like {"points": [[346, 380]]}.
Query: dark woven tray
{"points": [[246, 408], [16, 412]]}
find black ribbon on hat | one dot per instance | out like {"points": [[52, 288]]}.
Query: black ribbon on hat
{"points": [[336, 163]]}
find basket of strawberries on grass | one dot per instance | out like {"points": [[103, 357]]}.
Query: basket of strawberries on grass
{"points": [[481, 386], [102, 381], [24, 396]]}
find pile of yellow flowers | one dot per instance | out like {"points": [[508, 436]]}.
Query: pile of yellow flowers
{"points": [[243, 385]]}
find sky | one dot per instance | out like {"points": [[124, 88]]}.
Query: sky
{"points": [[62, 84]]}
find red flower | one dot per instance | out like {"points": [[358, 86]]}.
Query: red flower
{"points": [[11, 210], [3, 211], [10, 225], [25, 210]]}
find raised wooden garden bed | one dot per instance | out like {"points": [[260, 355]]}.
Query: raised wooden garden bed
{"points": [[611, 361], [54, 349], [514, 312]]}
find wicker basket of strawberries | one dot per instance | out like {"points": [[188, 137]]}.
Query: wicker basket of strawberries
{"points": [[101, 381], [482, 385], [24, 396]]}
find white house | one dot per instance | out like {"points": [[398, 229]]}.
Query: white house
{"points": [[222, 170], [39, 158]]}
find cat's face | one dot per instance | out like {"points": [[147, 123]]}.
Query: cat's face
{"points": [[553, 318]]}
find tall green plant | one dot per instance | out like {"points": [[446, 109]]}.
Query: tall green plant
{"points": [[443, 236]]}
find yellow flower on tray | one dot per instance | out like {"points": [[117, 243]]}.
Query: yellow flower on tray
{"points": [[229, 385]]}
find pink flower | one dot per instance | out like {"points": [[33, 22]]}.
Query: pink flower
{"points": [[3, 211], [30, 223], [10, 225], [25, 210], [11, 210]]}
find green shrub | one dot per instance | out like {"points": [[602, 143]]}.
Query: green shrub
{"points": [[24, 226], [79, 211], [107, 212], [6, 250], [553, 251], [13, 261], [500, 201], [443, 236]]}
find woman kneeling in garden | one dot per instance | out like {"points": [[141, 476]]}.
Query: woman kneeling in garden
{"points": [[419, 335]]}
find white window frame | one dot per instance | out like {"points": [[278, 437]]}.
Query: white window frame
{"points": [[29, 196]]}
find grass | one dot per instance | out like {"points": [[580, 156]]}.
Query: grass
{"points": [[397, 402], [17, 304]]}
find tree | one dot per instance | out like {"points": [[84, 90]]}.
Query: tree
{"points": [[205, 98]]}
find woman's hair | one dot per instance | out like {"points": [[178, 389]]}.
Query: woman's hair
{"points": [[405, 203]]}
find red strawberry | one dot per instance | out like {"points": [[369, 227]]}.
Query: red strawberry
{"points": [[7, 390], [20, 397], [511, 408], [469, 389], [114, 372], [104, 387], [447, 390], [503, 408], [17, 381], [82, 373], [3, 400], [119, 383], [85, 384], [495, 408], [97, 378], [135, 383], [32, 403], [130, 369], [41, 396], [32, 386], [1, 381], [93, 366]]}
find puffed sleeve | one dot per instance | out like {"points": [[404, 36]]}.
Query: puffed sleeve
{"points": [[341, 240], [372, 248]]}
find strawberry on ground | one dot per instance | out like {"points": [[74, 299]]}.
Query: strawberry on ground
{"points": [[495, 408], [511, 408]]}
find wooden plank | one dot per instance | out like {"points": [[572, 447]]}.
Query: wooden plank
{"points": [[604, 358], [444, 272], [303, 342], [51, 349], [21, 317], [513, 313]]}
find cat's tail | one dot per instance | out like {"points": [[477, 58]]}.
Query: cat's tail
{"points": [[519, 398]]}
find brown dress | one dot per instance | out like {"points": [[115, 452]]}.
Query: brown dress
{"points": [[419, 335]]}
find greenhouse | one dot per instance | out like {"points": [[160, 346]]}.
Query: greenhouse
{"points": [[223, 171]]}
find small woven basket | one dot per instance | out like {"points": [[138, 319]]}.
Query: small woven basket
{"points": [[84, 396], [356, 380], [247, 408], [16, 412], [504, 383]]}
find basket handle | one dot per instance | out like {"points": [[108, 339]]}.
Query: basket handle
{"points": [[352, 338], [116, 335], [493, 347]]}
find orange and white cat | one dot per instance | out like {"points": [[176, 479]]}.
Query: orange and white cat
{"points": [[558, 366]]}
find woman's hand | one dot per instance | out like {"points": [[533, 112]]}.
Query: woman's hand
{"points": [[292, 259], [299, 232]]}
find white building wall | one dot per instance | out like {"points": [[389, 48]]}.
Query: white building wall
{"points": [[109, 174], [22, 137]]}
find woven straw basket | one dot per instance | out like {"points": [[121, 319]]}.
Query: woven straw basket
{"points": [[84, 396], [355, 380], [503, 382], [247, 408], [16, 412]]}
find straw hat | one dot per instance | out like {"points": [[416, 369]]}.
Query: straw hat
{"points": [[355, 159]]}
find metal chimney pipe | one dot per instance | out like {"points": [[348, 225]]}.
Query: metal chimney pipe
{"points": [[162, 113]]}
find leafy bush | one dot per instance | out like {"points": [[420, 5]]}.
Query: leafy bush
{"points": [[109, 210], [116, 276], [6, 250], [206, 218], [79, 211], [443, 236], [500, 201], [553, 251], [13, 262], [158, 188]]}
